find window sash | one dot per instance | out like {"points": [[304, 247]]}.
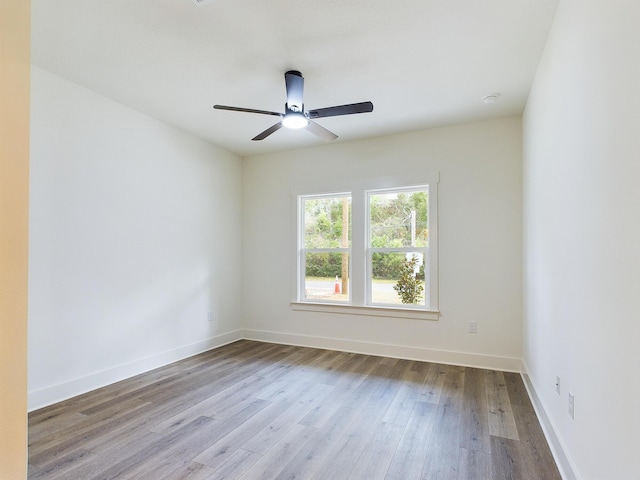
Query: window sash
{"points": [[404, 250], [370, 251], [303, 251], [302, 275], [302, 218]]}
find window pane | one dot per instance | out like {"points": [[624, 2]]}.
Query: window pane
{"points": [[327, 276], [397, 278], [327, 222], [398, 219]]}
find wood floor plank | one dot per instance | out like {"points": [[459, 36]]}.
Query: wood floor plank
{"points": [[50, 425], [408, 459], [264, 439], [166, 453], [35, 473], [280, 454], [311, 371], [238, 394], [316, 449], [253, 411], [343, 392], [506, 460], [535, 450], [234, 465], [516, 389], [180, 400], [442, 455], [324, 367], [385, 389], [400, 408], [43, 439], [292, 366], [365, 422], [453, 384], [433, 382], [218, 452], [48, 452], [139, 426], [376, 457], [412, 381], [64, 465], [501, 421], [345, 449], [474, 465], [198, 383], [190, 471], [110, 454], [475, 414]]}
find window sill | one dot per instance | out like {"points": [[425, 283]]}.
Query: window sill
{"points": [[391, 312]]}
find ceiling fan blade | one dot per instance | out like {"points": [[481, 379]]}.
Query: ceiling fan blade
{"points": [[248, 110], [295, 89], [321, 132], [268, 131], [362, 107]]}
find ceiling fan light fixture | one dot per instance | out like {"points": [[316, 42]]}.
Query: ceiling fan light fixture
{"points": [[295, 120]]}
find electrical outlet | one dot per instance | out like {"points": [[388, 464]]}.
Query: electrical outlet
{"points": [[571, 405], [473, 327], [558, 385]]}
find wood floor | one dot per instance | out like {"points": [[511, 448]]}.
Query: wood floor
{"points": [[254, 410]]}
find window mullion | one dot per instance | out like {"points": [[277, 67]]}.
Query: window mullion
{"points": [[327, 250], [398, 250], [358, 243]]}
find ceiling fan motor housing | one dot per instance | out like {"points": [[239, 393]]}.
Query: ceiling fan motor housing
{"points": [[295, 89]]}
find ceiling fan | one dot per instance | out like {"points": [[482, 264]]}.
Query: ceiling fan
{"points": [[294, 115]]}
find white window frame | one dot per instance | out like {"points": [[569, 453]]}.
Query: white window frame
{"points": [[371, 250], [360, 297], [303, 251]]}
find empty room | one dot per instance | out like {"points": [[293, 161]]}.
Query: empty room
{"points": [[299, 239]]}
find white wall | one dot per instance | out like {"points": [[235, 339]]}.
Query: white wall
{"points": [[135, 236], [479, 235], [582, 236]]}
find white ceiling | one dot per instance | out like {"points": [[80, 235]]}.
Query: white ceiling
{"points": [[423, 63]]}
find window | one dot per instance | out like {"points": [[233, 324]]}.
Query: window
{"points": [[372, 246], [398, 239], [325, 247]]}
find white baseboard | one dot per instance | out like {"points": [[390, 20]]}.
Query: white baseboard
{"points": [[491, 362], [62, 391], [564, 463]]}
